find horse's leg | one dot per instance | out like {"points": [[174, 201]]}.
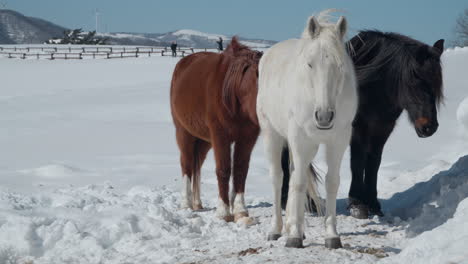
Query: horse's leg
{"points": [[201, 149], [242, 151], [356, 195], [377, 141], [186, 143], [303, 151], [273, 144], [334, 157], [222, 151]]}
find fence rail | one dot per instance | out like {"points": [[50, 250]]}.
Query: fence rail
{"points": [[108, 52]]}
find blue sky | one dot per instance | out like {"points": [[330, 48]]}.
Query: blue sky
{"points": [[426, 20]]}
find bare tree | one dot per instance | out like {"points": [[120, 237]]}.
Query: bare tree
{"points": [[461, 29]]}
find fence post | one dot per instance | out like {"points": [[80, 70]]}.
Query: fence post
{"points": [[52, 56], [108, 55], [121, 54], [24, 56], [81, 56], [183, 53], [94, 55], [149, 53], [9, 56], [162, 52], [66, 57], [37, 56]]}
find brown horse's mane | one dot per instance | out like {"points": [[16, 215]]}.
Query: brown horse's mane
{"points": [[240, 60]]}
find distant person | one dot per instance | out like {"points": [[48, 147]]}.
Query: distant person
{"points": [[174, 49], [220, 44]]}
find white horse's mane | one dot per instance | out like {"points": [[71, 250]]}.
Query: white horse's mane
{"points": [[328, 28]]}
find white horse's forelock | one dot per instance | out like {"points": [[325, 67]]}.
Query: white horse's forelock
{"points": [[328, 36]]}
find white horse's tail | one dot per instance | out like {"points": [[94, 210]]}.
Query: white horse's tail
{"points": [[312, 191]]}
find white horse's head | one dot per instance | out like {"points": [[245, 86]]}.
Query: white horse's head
{"points": [[325, 64]]}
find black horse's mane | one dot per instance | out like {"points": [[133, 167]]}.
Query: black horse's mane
{"points": [[400, 60]]}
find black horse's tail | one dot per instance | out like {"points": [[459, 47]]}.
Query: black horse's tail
{"points": [[313, 203]]}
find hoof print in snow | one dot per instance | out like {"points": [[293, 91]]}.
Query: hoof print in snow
{"points": [[272, 237], [333, 243], [294, 243]]}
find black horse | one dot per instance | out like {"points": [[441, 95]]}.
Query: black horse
{"points": [[394, 73]]}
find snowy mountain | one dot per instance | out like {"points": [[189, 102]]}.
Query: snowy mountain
{"points": [[197, 39], [183, 37], [16, 28]]}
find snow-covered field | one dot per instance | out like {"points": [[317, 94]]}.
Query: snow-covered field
{"points": [[89, 173]]}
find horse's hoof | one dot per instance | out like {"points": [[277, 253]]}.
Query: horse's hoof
{"points": [[359, 211], [272, 237], [197, 207], [228, 218], [240, 215], [294, 242], [333, 243]]}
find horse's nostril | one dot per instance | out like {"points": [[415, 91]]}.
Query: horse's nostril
{"points": [[332, 115], [427, 129], [316, 115]]}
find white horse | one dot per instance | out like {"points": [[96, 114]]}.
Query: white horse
{"points": [[307, 96]]}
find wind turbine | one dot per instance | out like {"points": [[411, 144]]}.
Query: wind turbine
{"points": [[96, 13]]}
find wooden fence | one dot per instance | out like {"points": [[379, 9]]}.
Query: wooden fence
{"points": [[107, 52]]}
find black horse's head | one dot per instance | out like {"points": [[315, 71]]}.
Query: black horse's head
{"points": [[421, 91]]}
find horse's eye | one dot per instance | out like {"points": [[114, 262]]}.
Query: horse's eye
{"points": [[310, 65]]}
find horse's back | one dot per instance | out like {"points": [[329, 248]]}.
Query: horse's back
{"points": [[194, 87]]}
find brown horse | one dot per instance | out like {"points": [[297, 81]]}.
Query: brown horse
{"points": [[213, 104]]}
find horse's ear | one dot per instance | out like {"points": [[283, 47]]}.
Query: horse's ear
{"points": [[439, 46], [342, 26], [313, 27]]}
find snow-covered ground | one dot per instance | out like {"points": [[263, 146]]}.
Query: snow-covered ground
{"points": [[90, 173]]}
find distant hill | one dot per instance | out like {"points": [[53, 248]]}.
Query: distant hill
{"points": [[184, 37], [16, 28]]}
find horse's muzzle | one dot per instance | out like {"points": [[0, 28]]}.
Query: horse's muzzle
{"points": [[427, 130], [324, 119]]}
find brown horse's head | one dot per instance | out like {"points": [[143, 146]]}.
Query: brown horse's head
{"points": [[240, 81]]}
